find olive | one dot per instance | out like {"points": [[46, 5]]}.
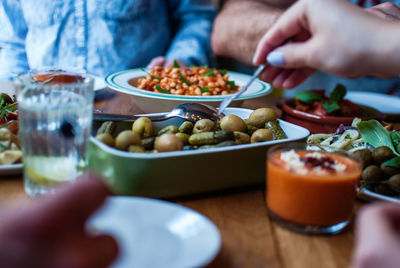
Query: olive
{"points": [[233, 123], [241, 138], [107, 127], [389, 171], [382, 154], [364, 155], [169, 142], [144, 127], [384, 189], [203, 125], [261, 135], [106, 139], [259, 117], [126, 138], [394, 183], [371, 174], [136, 149]]}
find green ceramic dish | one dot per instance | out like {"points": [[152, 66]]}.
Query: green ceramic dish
{"points": [[173, 174]]}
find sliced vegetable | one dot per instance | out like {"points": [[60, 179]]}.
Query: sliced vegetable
{"points": [[183, 78], [232, 85], [204, 89], [209, 72], [176, 64]]}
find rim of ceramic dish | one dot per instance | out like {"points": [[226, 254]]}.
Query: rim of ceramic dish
{"points": [[110, 82], [301, 133], [326, 119]]}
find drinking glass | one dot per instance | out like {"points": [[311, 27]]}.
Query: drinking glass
{"points": [[55, 116], [311, 191]]}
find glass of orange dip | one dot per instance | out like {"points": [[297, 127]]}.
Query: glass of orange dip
{"points": [[310, 191]]}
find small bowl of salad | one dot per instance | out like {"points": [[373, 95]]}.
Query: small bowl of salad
{"points": [[320, 113]]}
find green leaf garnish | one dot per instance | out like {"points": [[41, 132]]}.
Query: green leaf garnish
{"points": [[395, 135], [176, 64], [331, 106], [394, 162], [204, 89], [375, 134], [161, 90], [152, 76], [183, 78], [223, 72], [308, 96], [192, 66], [209, 72], [338, 93], [232, 85]]}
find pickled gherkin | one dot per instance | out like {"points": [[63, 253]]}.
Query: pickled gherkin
{"points": [[210, 138], [186, 127], [169, 129], [276, 129]]}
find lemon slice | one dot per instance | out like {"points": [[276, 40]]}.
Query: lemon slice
{"points": [[50, 170]]}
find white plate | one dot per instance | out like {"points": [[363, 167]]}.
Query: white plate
{"points": [[384, 103], [155, 233], [368, 195], [14, 169], [152, 102]]}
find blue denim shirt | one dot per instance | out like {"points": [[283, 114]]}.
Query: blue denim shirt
{"points": [[102, 36]]}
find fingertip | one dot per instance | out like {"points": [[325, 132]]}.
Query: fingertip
{"points": [[276, 58]]}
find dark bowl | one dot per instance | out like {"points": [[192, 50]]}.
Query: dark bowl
{"points": [[324, 124]]}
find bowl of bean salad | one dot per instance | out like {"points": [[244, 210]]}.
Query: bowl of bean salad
{"points": [[162, 88]]}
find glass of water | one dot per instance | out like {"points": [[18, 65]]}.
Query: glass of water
{"points": [[55, 116]]}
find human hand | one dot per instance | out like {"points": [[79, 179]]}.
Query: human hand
{"points": [[50, 232], [386, 10], [163, 62], [378, 237], [343, 46]]}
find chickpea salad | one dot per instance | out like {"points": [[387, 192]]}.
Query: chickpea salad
{"points": [[262, 125], [193, 81], [377, 145]]}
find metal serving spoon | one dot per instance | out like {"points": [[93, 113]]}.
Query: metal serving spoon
{"points": [[188, 111]]}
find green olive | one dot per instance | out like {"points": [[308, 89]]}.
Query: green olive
{"points": [[203, 125], [169, 142], [136, 149], [106, 138], [144, 127], [259, 117], [371, 174], [261, 135], [364, 155], [233, 123], [241, 138], [382, 154], [126, 138]]}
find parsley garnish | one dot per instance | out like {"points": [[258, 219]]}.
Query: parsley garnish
{"points": [[6, 108], [232, 85], [152, 76], [183, 78], [161, 90], [204, 89], [209, 72], [176, 64], [223, 72]]}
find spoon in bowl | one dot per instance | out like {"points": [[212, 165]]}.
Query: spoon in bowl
{"points": [[189, 111]]}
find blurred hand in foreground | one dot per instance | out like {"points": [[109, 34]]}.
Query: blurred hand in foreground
{"points": [[333, 36], [50, 232], [378, 237], [163, 62]]}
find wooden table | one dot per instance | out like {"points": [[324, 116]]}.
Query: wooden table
{"points": [[249, 237]]}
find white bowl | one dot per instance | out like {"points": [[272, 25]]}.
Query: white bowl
{"points": [[152, 102]]}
